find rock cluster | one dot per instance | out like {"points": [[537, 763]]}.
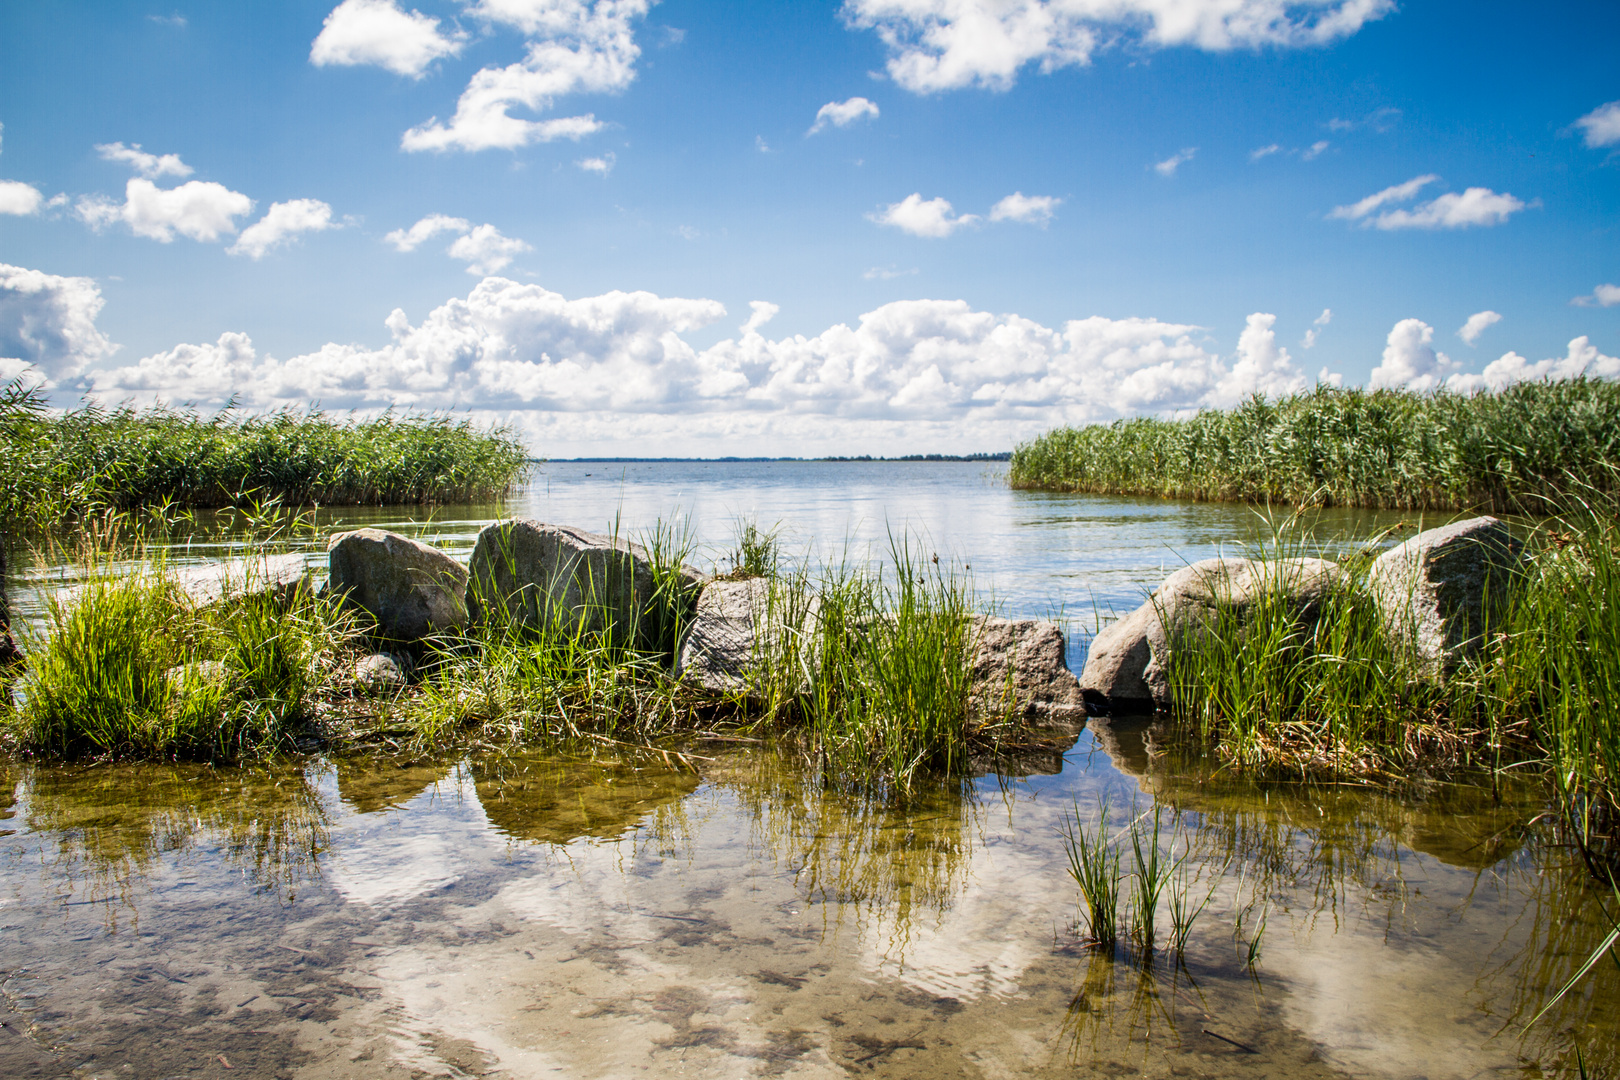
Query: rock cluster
{"points": [[1433, 594]]}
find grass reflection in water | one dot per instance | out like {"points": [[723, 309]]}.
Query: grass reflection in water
{"points": [[1483, 859]]}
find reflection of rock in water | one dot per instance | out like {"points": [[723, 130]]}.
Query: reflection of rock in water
{"points": [[530, 796], [368, 784], [1039, 753], [1461, 824]]}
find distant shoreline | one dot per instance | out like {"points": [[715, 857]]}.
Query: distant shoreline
{"points": [[1005, 455]]}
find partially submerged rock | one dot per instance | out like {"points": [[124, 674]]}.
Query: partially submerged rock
{"points": [[411, 589], [535, 574], [1434, 592], [1020, 670], [1128, 665]]}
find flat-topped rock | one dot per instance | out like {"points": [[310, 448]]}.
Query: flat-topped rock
{"points": [[537, 575], [1020, 670], [1435, 591], [410, 589]]}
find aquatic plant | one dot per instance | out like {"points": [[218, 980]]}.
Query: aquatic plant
{"points": [[1094, 864], [1152, 875], [128, 666], [93, 461], [889, 660], [1503, 450]]}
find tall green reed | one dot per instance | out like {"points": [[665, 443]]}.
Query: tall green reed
{"points": [[56, 468], [1503, 450]]}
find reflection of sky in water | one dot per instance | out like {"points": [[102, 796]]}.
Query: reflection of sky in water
{"points": [[711, 921]]}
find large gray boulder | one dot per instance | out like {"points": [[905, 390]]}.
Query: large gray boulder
{"points": [[737, 627], [1127, 667], [411, 589], [535, 574], [1434, 592], [1020, 670]]}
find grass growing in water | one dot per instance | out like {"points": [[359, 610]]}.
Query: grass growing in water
{"points": [[1336, 694], [128, 668], [56, 468], [1506, 451]]}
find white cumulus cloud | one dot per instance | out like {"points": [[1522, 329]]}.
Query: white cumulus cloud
{"points": [[843, 113], [1261, 366], [199, 209], [1477, 324], [1602, 296], [150, 166], [1264, 152], [280, 224], [19, 198], [379, 32], [1357, 211], [1029, 209], [1169, 165], [426, 229], [1475, 206], [933, 218], [1410, 360], [574, 46], [1315, 150], [49, 323], [1602, 125], [486, 251], [1583, 358], [601, 166], [936, 45]]}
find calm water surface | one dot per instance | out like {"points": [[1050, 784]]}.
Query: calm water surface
{"points": [[534, 915]]}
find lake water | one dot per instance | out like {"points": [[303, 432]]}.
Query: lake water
{"points": [[523, 914]]}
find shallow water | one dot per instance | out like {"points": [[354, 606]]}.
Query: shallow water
{"points": [[536, 915], [528, 915]]}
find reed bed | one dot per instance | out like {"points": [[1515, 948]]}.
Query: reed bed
{"points": [[62, 467], [1505, 451]]}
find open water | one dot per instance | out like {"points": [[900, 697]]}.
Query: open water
{"points": [[525, 915]]}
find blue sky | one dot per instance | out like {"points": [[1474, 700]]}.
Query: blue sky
{"points": [[632, 235]]}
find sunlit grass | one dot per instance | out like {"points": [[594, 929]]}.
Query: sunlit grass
{"points": [[65, 467]]}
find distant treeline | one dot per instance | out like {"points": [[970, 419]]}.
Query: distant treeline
{"points": [[1510, 450], [1005, 455], [58, 467]]}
